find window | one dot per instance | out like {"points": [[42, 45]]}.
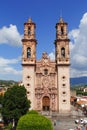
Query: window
{"points": [[64, 101], [28, 92], [45, 71], [63, 52], [62, 31], [64, 93], [28, 77], [28, 84], [28, 52], [63, 85], [29, 31], [63, 77]]}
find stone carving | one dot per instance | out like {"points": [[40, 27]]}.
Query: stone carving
{"points": [[53, 70], [53, 104], [44, 55], [45, 81], [38, 104], [38, 80]]}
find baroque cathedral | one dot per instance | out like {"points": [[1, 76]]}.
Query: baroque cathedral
{"points": [[47, 82]]}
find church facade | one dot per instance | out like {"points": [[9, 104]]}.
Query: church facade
{"points": [[47, 82]]}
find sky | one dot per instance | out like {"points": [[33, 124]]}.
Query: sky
{"points": [[45, 13]]}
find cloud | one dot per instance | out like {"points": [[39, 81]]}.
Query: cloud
{"points": [[8, 71], [5, 62], [78, 48], [52, 55], [10, 35], [9, 68], [78, 73]]}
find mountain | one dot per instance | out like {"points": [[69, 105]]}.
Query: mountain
{"points": [[73, 81], [78, 81]]}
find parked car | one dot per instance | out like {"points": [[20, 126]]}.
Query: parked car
{"points": [[81, 121]]}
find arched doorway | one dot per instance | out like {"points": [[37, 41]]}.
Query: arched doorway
{"points": [[46, 103]]}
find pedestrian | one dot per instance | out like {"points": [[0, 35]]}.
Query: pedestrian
{"points": [[54, 122], [79, 128], [83, 128], [86, 127]]}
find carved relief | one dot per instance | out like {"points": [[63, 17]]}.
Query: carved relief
{"points": [[45, 81], [53, 70], [52, 83], [44, 55], [38, 77], [38, 104], [45, 59], [53, 104], [38, 92]]}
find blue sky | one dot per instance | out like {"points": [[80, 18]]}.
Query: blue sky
{"points": [[45, 13]]}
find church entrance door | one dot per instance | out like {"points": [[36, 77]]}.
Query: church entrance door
{"points": [[46, 103]]}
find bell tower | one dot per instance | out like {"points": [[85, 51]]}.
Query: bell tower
{"points": [[29, 59], [62, 58], [29, 43]]}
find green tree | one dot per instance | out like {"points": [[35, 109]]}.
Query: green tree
{"points": [[1, 100], [15, 104]]}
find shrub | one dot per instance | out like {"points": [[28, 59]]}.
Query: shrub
{"points": [[32, 112], [9, 127], [34, 122]]}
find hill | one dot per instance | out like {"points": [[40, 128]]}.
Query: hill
{"points": [[73, 81], [7, 83], [78, 81]]}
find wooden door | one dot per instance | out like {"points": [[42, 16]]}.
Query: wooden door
{"points": [[46, 103]]}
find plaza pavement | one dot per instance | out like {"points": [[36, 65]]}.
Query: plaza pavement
{"points": [[68, 122]]}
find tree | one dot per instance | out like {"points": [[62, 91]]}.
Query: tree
{"points": [[15, 104]]}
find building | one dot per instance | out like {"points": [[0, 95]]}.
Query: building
{"points": [[47, 82]]}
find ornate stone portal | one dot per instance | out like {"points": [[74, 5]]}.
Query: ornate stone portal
{"points": [[46, 81], [45, 89]]}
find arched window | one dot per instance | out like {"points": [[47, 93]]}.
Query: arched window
{"points": [[45, 71], [28, 52], [29, 31], [62, 31], [63, 52]]}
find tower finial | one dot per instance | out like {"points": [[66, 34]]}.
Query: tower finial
{"points": [[30, 20], [61, 18], [61, 13]]}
